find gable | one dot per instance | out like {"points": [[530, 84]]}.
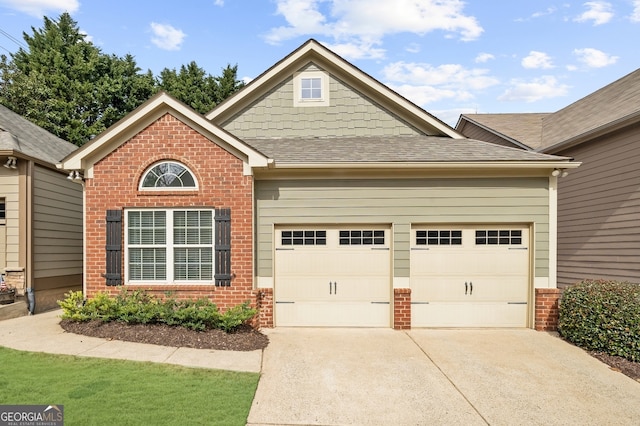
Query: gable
{"points": [[346, 112], [342, 75]]}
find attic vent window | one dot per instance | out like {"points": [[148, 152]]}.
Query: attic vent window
{"points": [[311, 89], [168, 175]]}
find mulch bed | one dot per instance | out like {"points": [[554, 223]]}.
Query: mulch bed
{"points": [[622, 365], [243, 339]]}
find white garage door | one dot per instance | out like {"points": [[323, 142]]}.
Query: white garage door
{"points": [[469, 276], [332, 276]]}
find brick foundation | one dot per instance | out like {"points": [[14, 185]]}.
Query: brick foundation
{"points": [[14, 278], [401, 308], [264, 303], [546, 316]]}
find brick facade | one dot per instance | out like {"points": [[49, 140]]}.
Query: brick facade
{"points": [[221, 184], [546, 316]]}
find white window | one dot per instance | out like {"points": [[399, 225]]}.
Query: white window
{"points": [[168, 175], [169, 246], [311, 88]]}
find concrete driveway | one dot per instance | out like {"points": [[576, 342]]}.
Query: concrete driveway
{"points": [[426, 376]]}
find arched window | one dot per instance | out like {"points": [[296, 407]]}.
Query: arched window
{"points": [[168, 175]]}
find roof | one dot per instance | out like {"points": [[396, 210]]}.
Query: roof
{"points": [[312, 51], [385, 150], [134, 122], [525, 128], [20, 136], [605, 110], [613, 105]]}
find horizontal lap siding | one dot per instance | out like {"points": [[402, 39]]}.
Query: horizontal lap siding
{"points": [[599, 211], [57, 226], [10, 191], [401, 203]]}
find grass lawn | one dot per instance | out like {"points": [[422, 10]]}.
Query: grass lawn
{"points": [[111, 392]]}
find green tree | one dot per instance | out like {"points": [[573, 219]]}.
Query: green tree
{"points": [[66, 85], [198, 89]]}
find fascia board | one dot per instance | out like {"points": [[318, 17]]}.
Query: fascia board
{"points": [[436, 165]]}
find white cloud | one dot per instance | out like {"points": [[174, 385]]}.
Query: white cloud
{"points": [[354, 51], [413, 48], [86, 35], [40, 8], [635, 15], [600, 12], [484, 57], [166, 37], [545, 87], [537, 60], [594, 58], [365, 22], [219, 3], [423, 83]]}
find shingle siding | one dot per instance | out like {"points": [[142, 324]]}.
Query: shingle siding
{"points": [[350, 114]]}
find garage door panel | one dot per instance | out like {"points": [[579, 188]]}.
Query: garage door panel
{"points": [[470, 315], [469, 275], [345, 281]]}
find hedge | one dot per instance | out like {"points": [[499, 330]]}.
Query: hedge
{"points": [[602, 316]]}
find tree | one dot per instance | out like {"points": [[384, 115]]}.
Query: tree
{"points": [[66, 85], [201, 91]]}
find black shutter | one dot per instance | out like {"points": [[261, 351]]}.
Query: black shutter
{"points": [[114, 247], [223, 247]]}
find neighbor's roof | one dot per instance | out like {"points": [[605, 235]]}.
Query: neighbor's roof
{"points": [[385, 150], [614, 105], [518, 128], [19, 135]]}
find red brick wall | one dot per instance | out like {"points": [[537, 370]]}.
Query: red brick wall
{"points": [[546, 316], [401, 308], [265, 307], [221, 184]]}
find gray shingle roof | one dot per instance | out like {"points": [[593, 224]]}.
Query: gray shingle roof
{"points": [[19, 135], [607, 105], [416, 149], [525, 128]]}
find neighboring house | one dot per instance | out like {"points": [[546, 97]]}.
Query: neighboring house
{"points": [[40, 213], [324, 198], [599, 203]]}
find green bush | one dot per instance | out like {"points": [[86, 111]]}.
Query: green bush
{"points": [[602, 316], [138, 307]]}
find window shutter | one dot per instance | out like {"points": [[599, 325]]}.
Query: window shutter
{"points": [[113, 274], [223, 247]]}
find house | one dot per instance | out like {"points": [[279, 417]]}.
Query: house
{"points": [[40, 213], [324, 198], [598, 203]]}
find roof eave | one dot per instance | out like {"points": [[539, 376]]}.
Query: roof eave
{"points": [[551, 164]]}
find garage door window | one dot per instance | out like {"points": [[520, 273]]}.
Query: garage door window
{"points": [[304, 238], [361, 237], [438, 237], [498, 237]]}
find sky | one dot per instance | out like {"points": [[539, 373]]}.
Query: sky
{"points": [[448, 56]]}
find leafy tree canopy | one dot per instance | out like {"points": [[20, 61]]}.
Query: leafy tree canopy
{"points": [[68, 86]]}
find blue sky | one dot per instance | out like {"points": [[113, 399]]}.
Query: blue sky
{"points": [[448, 56]]}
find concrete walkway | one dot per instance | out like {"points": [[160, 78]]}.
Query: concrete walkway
{"points": [[386, 377], [440, 377], [42, 333]]}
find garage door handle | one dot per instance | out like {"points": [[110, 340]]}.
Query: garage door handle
{"points": [[466, 287], [470, 288], [333, 287]]}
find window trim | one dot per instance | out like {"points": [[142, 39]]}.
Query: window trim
{"points": [[298, 101], [167, 188], [170, 247]]}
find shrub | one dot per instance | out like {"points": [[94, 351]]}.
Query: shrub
{"points": [[138, 307], [602, 316]]}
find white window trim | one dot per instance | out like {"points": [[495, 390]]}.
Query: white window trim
{"points": [[297, 89], [177, 188], [169, 248]]}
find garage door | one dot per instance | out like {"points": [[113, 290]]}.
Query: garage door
{"points": [[469, 276], [332, 276]]}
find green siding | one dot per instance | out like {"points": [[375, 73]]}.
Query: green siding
{"points": [[349, 114], [401, 203]]}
